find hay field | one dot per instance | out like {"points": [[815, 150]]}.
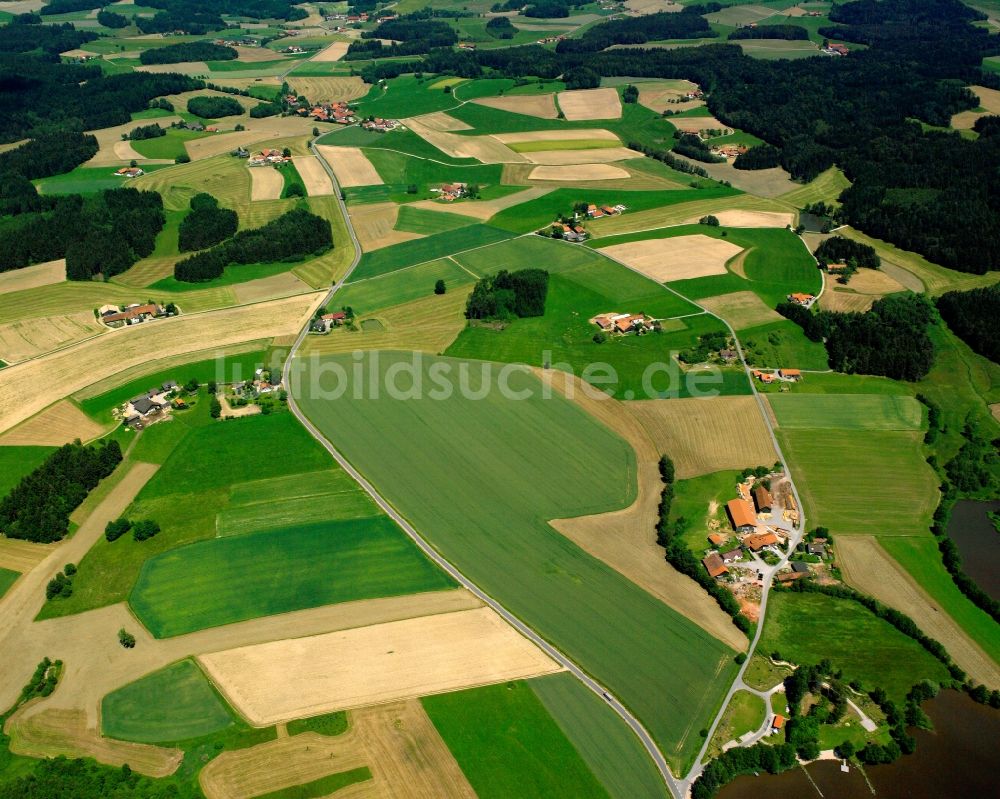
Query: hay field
{"points": [[482, 209], [601, 155], [626, 539], [677, 214], [406, 754], [266, 183], [282, 763], [225, 178], [266, 288], [707, 435], [439, 120], [27, 388], [258, 132], [57, 425], [753, 219], [869, 568], [31, 337], [694, 124], [846, 411], [54, 732], [774, 182], [864, 288], [825, 187], [542, 106], [107, 138], [255, 55], [742, 309], [329, 89], [676, 258], [335, 52], [483, 148], [375, 225], [282, 680], [655, 94], [429, 325], [314, 176], [582, 134], [350, 166], [573, 173], [33, 277], [184, 68], [583, 104], [988, 99], [22, 556]]}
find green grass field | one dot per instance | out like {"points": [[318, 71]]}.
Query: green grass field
{"points": [[7, 578], [224, 580], [805, 628], [87, 180], [405, 96], [745, 713], [508, 745], [292, 178], [16, 462], [606, 744], [583, 284], [483, 498], [782, 344], [169, 146], [846, 412], [239, 273], [327, 724], [872, 482], [324, 786], [428, 223], [405, 285], [431, 248], [175, 703], [693, 498], [401, 170]]}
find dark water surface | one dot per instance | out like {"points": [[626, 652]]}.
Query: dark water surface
{"points": [[978, 542], [960, 759]]}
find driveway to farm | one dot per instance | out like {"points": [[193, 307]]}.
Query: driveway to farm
{"points": [[677, 789]]}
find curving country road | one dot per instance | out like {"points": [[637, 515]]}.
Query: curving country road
{"points": [[645, 738]]}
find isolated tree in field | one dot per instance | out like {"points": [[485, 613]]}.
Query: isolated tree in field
{"points": [[126, 639], [630, 94], [439, 287], [215, 407], [709, 220], [117, 528]]}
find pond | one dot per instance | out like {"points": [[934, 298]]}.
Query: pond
{"points": [[978, 542]]}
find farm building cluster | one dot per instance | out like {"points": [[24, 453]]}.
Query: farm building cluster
{"points": [[768, 376], [729, 150], [134, 314], [800, 298], [836, 49], [130, 172], [328, 321], [338, 113], [449, 192], [622, 323], [570, 228], [152, 406], [380, 125], [268, 158]]}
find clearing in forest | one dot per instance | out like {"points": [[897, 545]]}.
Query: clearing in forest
{"points": [[675, 258]]}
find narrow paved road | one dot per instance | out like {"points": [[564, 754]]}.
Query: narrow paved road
{"points": [[645, 738]]}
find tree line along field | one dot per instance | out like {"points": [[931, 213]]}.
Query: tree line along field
{"points": [[484, 500]]}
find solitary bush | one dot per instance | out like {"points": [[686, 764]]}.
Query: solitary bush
{"points": [[144, 529], [117, 528]]}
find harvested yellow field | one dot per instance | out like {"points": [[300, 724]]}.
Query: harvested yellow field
{"points": [[375, 224], [429, 324], [22, 556], [626, 539], [988, 99], [582, 104], [864, 288], [266, 183], [694, 124], [350, 166], [254, 55], [869, 568], [281, 763], [124, 151], [755, 219], [578, 172], [773, 183], [556, 135], [29, 387], [483, 148], [406, 755], [334, 52], [266, 288], [742, 309], [31, 337], [282, 680], [258, 132], [439, 120], [542, 106], [191, 68], [51, 733], [57, 425], [32, 277], [676, 258], [677, 214], [600, 155], [329, 90], [707, 435], [482, 209], [653, 6], [995, 410], [662, 95], [109, 138], [314, 176]]}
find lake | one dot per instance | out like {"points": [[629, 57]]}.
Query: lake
{"points": [[978, 542], [958, 759]]}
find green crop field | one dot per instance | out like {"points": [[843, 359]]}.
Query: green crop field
{"points": [[782, 344], [175, 703], [846, 412], [402, 286], [607, 745], [872, 482], [475, 477], [292, 178], [508, 745], [805, 628], [417, 251], [400, 170], [405, 96], [427, 223], [7, 578], [324, 786], [16, 462], [583, 284], [224, 580], [87, 180]]}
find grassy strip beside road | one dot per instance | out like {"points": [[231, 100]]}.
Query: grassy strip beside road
{"points": [[410, 253]]}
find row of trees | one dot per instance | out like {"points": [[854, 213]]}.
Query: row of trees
{"points": [[25, 33], [38, 507], [973, 317], [638, 30], [509, 295], [790, 32], [86, 779], [109, 19], [290, 237], [188, 51], [151, 131], [206, 224]]}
